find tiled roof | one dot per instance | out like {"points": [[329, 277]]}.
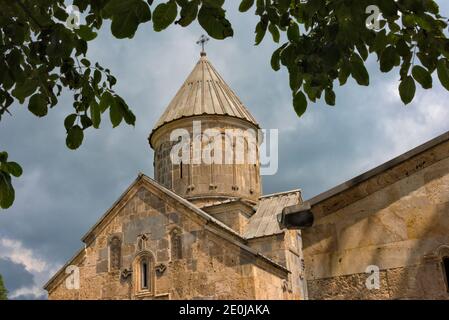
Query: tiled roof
{"points": [[264, 221], [204, 93]]}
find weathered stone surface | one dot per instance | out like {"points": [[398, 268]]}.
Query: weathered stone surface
{"points": [[397, 228], [211, 267]]}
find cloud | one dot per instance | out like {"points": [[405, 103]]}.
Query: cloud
{"points": [[23, 271], [62, 193], [15, 251], [15, 275]]}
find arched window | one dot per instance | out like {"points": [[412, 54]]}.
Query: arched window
{"points": [[144, 273], [115, 248], [176, 244]]}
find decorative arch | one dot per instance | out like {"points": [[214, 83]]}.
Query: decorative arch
{"points": [[115, 253], [144, 273], [176, 244]]}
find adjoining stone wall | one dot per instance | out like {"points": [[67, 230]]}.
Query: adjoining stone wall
{"points": [[210, 267], [423, 281], [285, 249], [234, 214], [402, 228]]}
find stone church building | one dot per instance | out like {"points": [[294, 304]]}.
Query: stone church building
{"points": [[206, 231]]}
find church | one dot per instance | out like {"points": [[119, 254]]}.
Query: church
{"points": [[205, 230]]}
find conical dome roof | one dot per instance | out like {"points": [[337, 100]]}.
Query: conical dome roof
{"points": [[204, 93]]}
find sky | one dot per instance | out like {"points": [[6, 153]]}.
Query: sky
{"points": [[62, 193]]}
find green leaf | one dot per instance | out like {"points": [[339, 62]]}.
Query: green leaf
{"points": [[75, 137], [86, 122], [274, 32], [358, 70], [7, 194], [106, 101], [422, 76], [431, 6], [293, 32], [115, 114], [124, 25], [70, 121], [261, 29], [85, 62], [127, 114], [25, 89], [189, 12], [13, 168], [388, 59], [245, 5], [86, 33], [3, 156], [118, 7], [126, 16], [300, 103], [97, 77], [407, 89], [344, 73], [329, 96], [276, 57], [38, 105], [443, 73], [295, 78], [142, 11], [213, 20], [95, 115], [164, 15], [284, 5]]}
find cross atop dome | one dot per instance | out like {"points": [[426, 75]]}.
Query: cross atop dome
{"points": [[202, 41]]}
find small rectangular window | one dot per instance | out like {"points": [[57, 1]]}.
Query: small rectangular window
{"points": [[180, 170], [144, 275]]}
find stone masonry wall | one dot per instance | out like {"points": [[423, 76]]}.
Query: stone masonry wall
{"points": [[198, 180], [210, 267], [403, 229]]}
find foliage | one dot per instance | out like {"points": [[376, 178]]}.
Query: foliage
{"points": [[327, 41], [3, 291], [6, 189]]}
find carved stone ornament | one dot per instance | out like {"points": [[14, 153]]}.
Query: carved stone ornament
{"points": [[125, 273], [160, 269]]}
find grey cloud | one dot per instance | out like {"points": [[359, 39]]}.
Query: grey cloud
{"points": [[62, 193], [15, 276]]}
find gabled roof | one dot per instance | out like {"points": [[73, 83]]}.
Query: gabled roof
{"points": [[223, 230], [204, 93], [264, 221], [404, 165], [142, 177]]}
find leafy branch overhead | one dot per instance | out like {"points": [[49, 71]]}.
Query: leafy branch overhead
{"points": [[7, 169], [327, 41]]}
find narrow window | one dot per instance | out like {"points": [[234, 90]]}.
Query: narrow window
{"points": [[144, 273], [115, 253], [446, 271], [180, 170], [176, 245]]}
